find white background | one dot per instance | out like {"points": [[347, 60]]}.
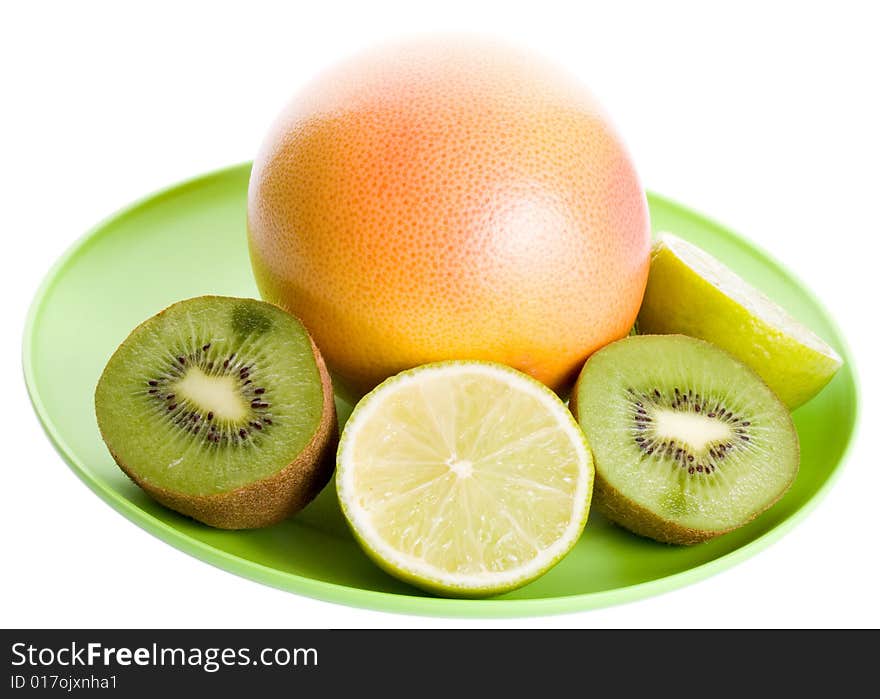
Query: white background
{"points": [[763, 115]]}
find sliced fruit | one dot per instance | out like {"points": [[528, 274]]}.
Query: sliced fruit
{"points": [[464, 478], [221, 409], [688, 442], [692, 293]]}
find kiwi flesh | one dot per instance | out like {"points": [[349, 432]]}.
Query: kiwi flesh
{"points": [[221, 409], [689, 443]]}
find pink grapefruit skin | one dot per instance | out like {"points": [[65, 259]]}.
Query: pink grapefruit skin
{"points": [[449, 200]]}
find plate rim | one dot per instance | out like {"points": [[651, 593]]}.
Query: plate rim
{"points": [[389, 601]]}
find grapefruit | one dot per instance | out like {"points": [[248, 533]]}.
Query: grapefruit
{"points": [[449, 199]]}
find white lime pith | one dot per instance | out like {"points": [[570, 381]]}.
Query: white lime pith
{"points": [[464, 478], [689, 292]]}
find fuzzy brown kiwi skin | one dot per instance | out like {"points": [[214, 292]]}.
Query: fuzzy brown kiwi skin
{"points": [[272, 499], [628, 514]]}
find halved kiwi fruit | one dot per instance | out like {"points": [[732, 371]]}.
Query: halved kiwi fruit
{"points": [[692, 293], [221, 409], [688, 442]]}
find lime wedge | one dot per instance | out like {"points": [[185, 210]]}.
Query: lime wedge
{"points": [[689, 292], [464, 478]]}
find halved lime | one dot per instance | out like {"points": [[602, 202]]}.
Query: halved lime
{"points": [[464, 478]]}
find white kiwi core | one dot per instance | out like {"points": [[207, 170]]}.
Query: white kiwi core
{"points": [[218, 394], [698, 431]]}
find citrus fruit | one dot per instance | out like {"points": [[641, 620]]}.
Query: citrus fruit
{"points": [[449, 200], [464, 478], [692, 293]]}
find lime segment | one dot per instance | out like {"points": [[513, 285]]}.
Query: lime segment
{"points": [[689, 292]]}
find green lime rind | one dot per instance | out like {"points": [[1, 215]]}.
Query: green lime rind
{"points": [[691, 293], [445, 583]]}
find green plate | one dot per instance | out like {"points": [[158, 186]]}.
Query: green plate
{"points": [[190, 240]]}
